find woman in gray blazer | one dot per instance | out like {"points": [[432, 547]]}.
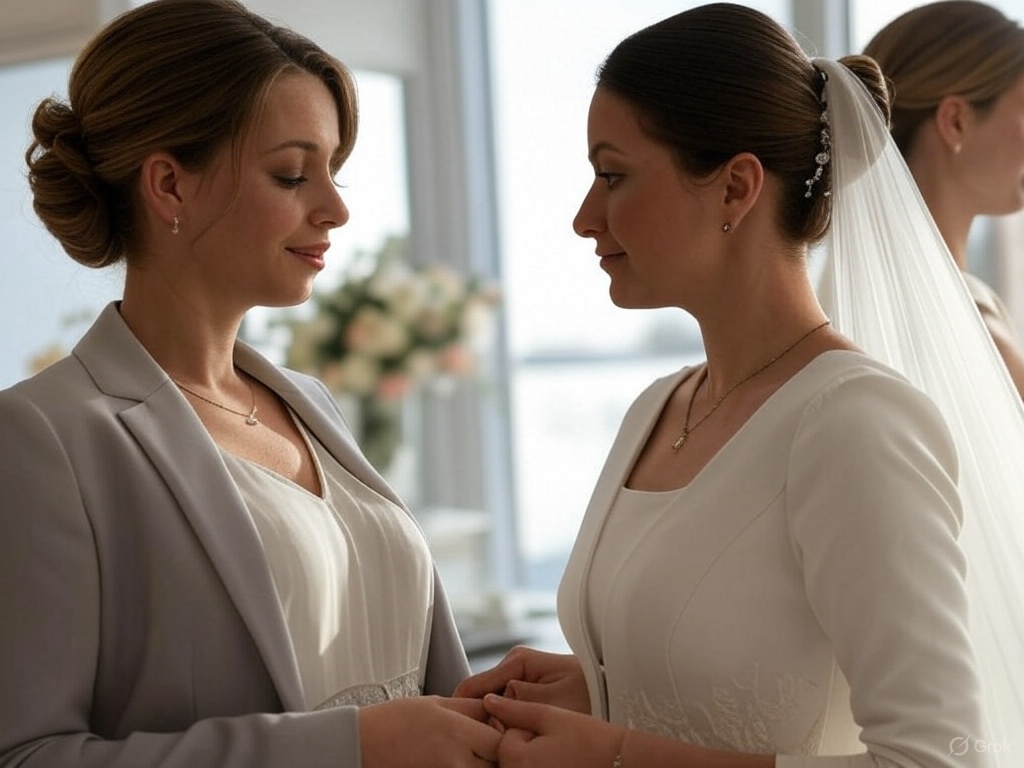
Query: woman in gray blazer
{"points": [[197, 565]]}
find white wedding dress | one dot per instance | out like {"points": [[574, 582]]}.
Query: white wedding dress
{"points": [[819, 546]]}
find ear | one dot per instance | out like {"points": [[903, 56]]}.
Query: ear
{"points": [[743, 180], [951, 119], [162, 182]]}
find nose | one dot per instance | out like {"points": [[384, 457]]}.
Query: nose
{"points": [[334, 212], [588, 221]]}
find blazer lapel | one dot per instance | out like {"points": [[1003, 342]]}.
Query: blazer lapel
{"points": [[192, 467], [184, 455]]}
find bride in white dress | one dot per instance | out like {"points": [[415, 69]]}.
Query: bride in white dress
{"points": [[771, 569]]}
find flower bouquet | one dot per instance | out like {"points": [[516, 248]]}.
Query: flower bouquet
{"points": [[389, 328]]}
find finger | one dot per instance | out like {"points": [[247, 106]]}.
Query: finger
{"points": [[512, 748], [514, 714], [519, 735], [493, 679], [542, 693], [473, 708], [483, 742]]}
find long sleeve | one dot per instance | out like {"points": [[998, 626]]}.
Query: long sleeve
{"points": [[874, 520]]}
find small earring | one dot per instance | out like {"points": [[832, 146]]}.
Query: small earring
{"points": [[727, 227], [175, 226], [957, 148]]}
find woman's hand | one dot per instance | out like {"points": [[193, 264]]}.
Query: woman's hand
{"points": [[427, 731], [531, 675], [542, 736]]}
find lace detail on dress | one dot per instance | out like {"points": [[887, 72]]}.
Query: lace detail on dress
{"points": [[744, 717], [402, 687]]}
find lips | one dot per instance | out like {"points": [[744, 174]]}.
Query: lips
{"points": [[316, 251], [609, 258], [311, 254]]}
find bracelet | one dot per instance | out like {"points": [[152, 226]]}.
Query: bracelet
{"points": [[617, 762]]}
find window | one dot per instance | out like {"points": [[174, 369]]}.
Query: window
{"points": [[577, 361], [45, 295]]}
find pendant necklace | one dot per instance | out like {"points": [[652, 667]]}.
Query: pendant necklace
{"points": [[687, 429], [250, 417]]}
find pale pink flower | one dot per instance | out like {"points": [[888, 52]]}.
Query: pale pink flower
{"points": [[394, 386], [457, 360]]}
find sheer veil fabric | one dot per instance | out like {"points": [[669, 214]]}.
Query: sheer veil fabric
{"points": [[890, 284]]}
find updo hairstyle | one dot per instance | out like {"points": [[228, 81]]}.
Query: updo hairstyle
{"points": [[956, 47], [722, 79], [188, 77]]}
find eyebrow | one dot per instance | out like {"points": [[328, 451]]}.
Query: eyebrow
{"points": [[602, 146], [308, 146], [303, 144]]}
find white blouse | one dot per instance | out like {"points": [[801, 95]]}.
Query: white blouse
{"points": [[354, 580]]}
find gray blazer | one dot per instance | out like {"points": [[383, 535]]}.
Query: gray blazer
{"points": [[138, 621]]}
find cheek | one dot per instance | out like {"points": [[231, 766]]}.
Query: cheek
{"points": [[1010, 142], [645, 219]]}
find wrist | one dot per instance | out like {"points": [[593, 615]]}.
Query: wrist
{"points": [[617, 762]]}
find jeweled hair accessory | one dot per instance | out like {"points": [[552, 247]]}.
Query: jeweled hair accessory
{"points": [[822, 158]]}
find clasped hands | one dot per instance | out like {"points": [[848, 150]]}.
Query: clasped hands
{"points": [[540, 705], [532, 710]]}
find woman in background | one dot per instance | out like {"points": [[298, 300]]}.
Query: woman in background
{"points": [[957, 74], [198, 567]]}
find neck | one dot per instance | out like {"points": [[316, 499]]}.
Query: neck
{"points": [[946, 205], [188, 338], [780, 306]]}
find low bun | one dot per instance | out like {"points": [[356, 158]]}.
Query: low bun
{"points": [[67, 196], [870, 74], [187, 78]]}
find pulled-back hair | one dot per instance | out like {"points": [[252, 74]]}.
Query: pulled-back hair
{"points": [[721, 79], [955, 47], [189, 77]]}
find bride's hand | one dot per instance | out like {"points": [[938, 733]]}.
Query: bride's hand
{"points": [[538, 736], [536, 676]]}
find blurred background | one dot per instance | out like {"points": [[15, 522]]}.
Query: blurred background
{"points": [[466, 330]]}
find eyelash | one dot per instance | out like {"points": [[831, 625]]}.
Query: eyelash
{"points": [[290, 181], [611, 179]]}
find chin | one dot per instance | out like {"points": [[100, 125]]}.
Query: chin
{"points": [[625, 301], [288, 300], [620, 301]]}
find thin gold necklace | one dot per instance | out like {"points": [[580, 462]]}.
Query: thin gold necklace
{"points": [[250, 417], [687, 429]]}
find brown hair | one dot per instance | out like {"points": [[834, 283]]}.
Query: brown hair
{"points": [[188, 77], [722, 79], [955, 47]]}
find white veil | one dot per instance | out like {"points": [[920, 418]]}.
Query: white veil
{"points": [[890, 284]]}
